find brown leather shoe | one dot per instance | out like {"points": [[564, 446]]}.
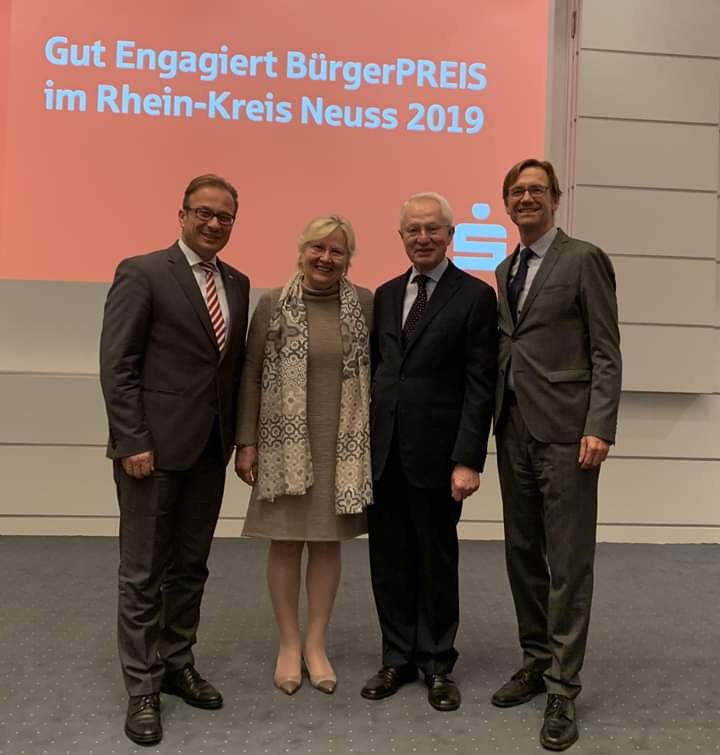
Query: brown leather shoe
{"points": [[559, 730], [142, 723], [388, 681], [191, 687], [521, 688], [443, 693]]}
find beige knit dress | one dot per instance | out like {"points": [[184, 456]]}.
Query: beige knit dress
{"points": [[311, 516]]}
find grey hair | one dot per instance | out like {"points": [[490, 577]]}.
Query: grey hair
{"points": [[445, 209]]}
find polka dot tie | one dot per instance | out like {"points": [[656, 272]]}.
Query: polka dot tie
{"points": [[417, 309]]}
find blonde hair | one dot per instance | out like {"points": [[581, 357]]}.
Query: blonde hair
{"points": [[445, 209], [321, 227]]}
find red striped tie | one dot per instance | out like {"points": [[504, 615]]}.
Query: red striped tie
{"points": [[213, 303]]}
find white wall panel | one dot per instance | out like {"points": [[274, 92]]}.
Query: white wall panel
{"points": [[685, 27], [668, 359], [647, 221], [615, 533], [55, 326], [668, 426], [76, 481], [485, 505], [679, 292], [673, 425], [684, 492], [64, 409], [648, 87], [664, 155], [51, 481], [607, 533], [681, 494]]}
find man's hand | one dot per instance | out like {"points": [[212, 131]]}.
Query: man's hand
{"points": [[464, 482], [246, 463], [593, 451], [139, 465]]}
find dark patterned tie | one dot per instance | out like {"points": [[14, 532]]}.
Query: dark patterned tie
{"points": [[417, 309], [517, 284]]}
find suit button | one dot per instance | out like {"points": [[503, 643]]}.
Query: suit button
{"points": [[402, 377]]}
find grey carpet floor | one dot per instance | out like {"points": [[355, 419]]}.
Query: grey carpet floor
{"points": [[652, 673]]}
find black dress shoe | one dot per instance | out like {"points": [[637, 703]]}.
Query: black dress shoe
{"points": [[443, 693], [142, 723], [388, 681], [521, 688], [559, 730], [193, 689]]}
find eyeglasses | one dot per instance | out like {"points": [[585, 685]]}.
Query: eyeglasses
{"points": [[535, 191], [206, 215], [413, 231], [318, 249]]}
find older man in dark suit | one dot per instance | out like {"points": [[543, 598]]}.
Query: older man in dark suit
{"points": [[172, 346], [558, 391], [434, 355]]}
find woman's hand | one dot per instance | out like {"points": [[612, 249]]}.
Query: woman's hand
{"points": [[246, 463]]}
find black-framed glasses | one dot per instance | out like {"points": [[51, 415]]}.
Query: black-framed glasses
{"points": [[535, 191], [206, 215]]}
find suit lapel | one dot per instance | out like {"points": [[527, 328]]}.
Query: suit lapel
{"points": [[443, 293], [549, 261], [503, 276], [186, 278], [397, 301]]}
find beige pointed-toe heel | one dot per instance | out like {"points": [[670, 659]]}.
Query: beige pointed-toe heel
{"points": [[289, 686], [327, 684]]}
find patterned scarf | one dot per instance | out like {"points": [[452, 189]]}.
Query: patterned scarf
{"points": [[284, 458]]}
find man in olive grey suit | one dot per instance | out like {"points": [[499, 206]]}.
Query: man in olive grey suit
{"points": [[171, 351], [558, 389]]}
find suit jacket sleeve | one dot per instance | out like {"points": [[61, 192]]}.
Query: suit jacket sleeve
{"points": [[481, 366], [125, 328], [601, 321]]}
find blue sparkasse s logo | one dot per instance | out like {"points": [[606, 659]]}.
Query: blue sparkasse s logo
{"points": [[472, 248]]}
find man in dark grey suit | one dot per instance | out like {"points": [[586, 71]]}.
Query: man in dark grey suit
{"points": [[172, 346], [558, 390], [433, 355]]}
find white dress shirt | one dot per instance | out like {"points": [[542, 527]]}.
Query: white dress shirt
{"points": [[411, 288], [194, 260], [539, 248]]}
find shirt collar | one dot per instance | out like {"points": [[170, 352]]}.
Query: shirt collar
{"points": [[541, 246], [435, 274], [192, 256]]}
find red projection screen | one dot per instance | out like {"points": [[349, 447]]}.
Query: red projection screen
{"points": [[108, 109]]}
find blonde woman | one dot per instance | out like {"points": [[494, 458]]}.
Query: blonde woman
{"points": [[303, 438]]}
